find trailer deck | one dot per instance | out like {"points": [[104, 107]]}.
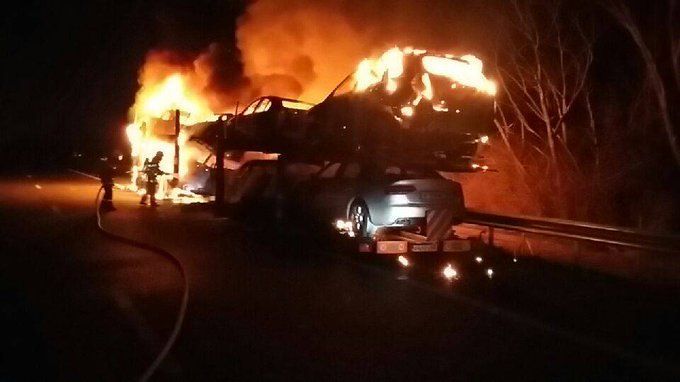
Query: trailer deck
{"points": [[403, 242]]}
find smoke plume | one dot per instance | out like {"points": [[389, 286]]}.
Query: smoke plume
{"points": [[304, 48]]}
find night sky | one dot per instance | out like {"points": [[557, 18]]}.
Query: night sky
{"points": [[70, 70]]}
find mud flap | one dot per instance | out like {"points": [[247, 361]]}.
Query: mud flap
{"points": [[438, 224]]}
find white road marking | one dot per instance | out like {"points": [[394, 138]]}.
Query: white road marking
{"points": [[84, 174]]}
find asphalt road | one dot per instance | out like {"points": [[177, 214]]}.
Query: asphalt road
{"points": [[268, 302]]}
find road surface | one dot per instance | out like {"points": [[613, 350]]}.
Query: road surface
{"points": [[78, 306]]}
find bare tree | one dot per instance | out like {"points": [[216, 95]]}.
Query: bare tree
{"points": [[665, 90], [543, 63]]}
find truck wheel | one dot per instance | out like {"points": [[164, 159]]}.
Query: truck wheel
{"points": [[358, 215]]}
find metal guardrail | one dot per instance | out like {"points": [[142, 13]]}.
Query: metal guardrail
{"points": [[581, 231]]}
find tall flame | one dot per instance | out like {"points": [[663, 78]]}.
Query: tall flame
{"points": [[465, 70], [152, 130], [155, 100], [389, 70]]}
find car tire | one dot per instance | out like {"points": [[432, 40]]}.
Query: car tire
{"points": [[360, 218]]}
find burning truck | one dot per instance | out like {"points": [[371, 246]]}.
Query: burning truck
{"points": [[426, 109], [370, 156]]}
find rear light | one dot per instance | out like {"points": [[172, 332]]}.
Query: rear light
{"points": [[399, 190]]}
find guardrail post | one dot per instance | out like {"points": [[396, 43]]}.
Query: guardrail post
{"points": [[577, 251]]}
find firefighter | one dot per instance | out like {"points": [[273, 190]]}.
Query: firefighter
{"points": [[106, 177], [152, 170]]}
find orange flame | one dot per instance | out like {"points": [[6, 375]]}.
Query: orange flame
{"points": [[465, 70], [388, 69], [164, 89], [155, 100]]}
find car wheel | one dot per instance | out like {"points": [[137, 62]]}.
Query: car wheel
{"points": [[358, 215]]}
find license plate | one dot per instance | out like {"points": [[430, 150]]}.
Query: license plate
{"points": [[456, 246], [389, 247], [425, 247]]}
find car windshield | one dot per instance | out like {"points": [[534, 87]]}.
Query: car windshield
{"points": [[263, 106], [251, 108], [297, 105], [346, 86], [402, 172]]}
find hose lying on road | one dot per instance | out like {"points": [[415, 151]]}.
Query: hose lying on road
{"points": [[185, 296]]}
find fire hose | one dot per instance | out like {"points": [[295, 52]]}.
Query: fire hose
{"points": [[181, 313]]}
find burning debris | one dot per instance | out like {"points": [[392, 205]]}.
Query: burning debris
{"points": [[463, 71], [164, 114], [405, 78], [435, 109], [449, 272]]}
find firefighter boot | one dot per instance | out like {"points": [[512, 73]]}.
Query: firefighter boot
{"points": [[107, 206]]}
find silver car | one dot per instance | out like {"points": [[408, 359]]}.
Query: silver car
{"points": [[365, 198]]}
